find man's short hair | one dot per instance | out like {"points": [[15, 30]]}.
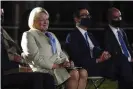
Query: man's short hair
{"points": [[110, 10], [80, 7]]}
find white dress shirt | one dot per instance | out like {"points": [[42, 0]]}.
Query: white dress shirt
{"points": [[116, 35], [89, 40]]}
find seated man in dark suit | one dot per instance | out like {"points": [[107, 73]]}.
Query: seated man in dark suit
{"points": [[121, 54], [10, 60], [82, 47]]}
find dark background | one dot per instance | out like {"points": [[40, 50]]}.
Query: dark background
{"points": [[61, 16]]}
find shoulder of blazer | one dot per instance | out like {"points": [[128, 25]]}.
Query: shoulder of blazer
{"points": [[107, 31], [28, 33], [73, 35], [33, 32], [107, 28], [75, 32]]}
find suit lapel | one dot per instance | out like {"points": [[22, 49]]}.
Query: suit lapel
{"points": [[82, 42], [112, 35], [81, 38], [92, 39], [114, 40]]}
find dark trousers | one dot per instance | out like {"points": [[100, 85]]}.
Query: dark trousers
{"points": [[28, 80], [120, 69], [124, 74], [92, 67], [131, 63]]}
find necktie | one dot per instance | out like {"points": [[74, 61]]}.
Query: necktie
{"points": [[86, 38], [52, 41], [87, 42], [123, 45]]}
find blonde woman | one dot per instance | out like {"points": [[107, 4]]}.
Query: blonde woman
{"points": [[44, 53]]}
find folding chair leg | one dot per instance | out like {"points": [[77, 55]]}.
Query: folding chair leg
{"points": [[94, 82]]}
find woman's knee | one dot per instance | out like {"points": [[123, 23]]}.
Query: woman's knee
{"points": [[74, 74], [83, 73]]}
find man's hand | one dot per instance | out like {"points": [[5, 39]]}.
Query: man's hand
{"points": [[66, 64], [105, 56]]}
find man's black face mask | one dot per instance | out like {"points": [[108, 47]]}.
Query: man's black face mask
{"points": [[85, 22], [116, 23]]}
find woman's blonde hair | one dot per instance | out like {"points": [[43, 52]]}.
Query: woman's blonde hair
{"points": [[33, 15]]}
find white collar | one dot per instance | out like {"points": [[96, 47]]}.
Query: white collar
{"points": [[114, 29], [81, 30]]}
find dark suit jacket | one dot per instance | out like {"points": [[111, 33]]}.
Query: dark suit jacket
{"points": [[79, 52], [118, 64], [111, 43]]}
